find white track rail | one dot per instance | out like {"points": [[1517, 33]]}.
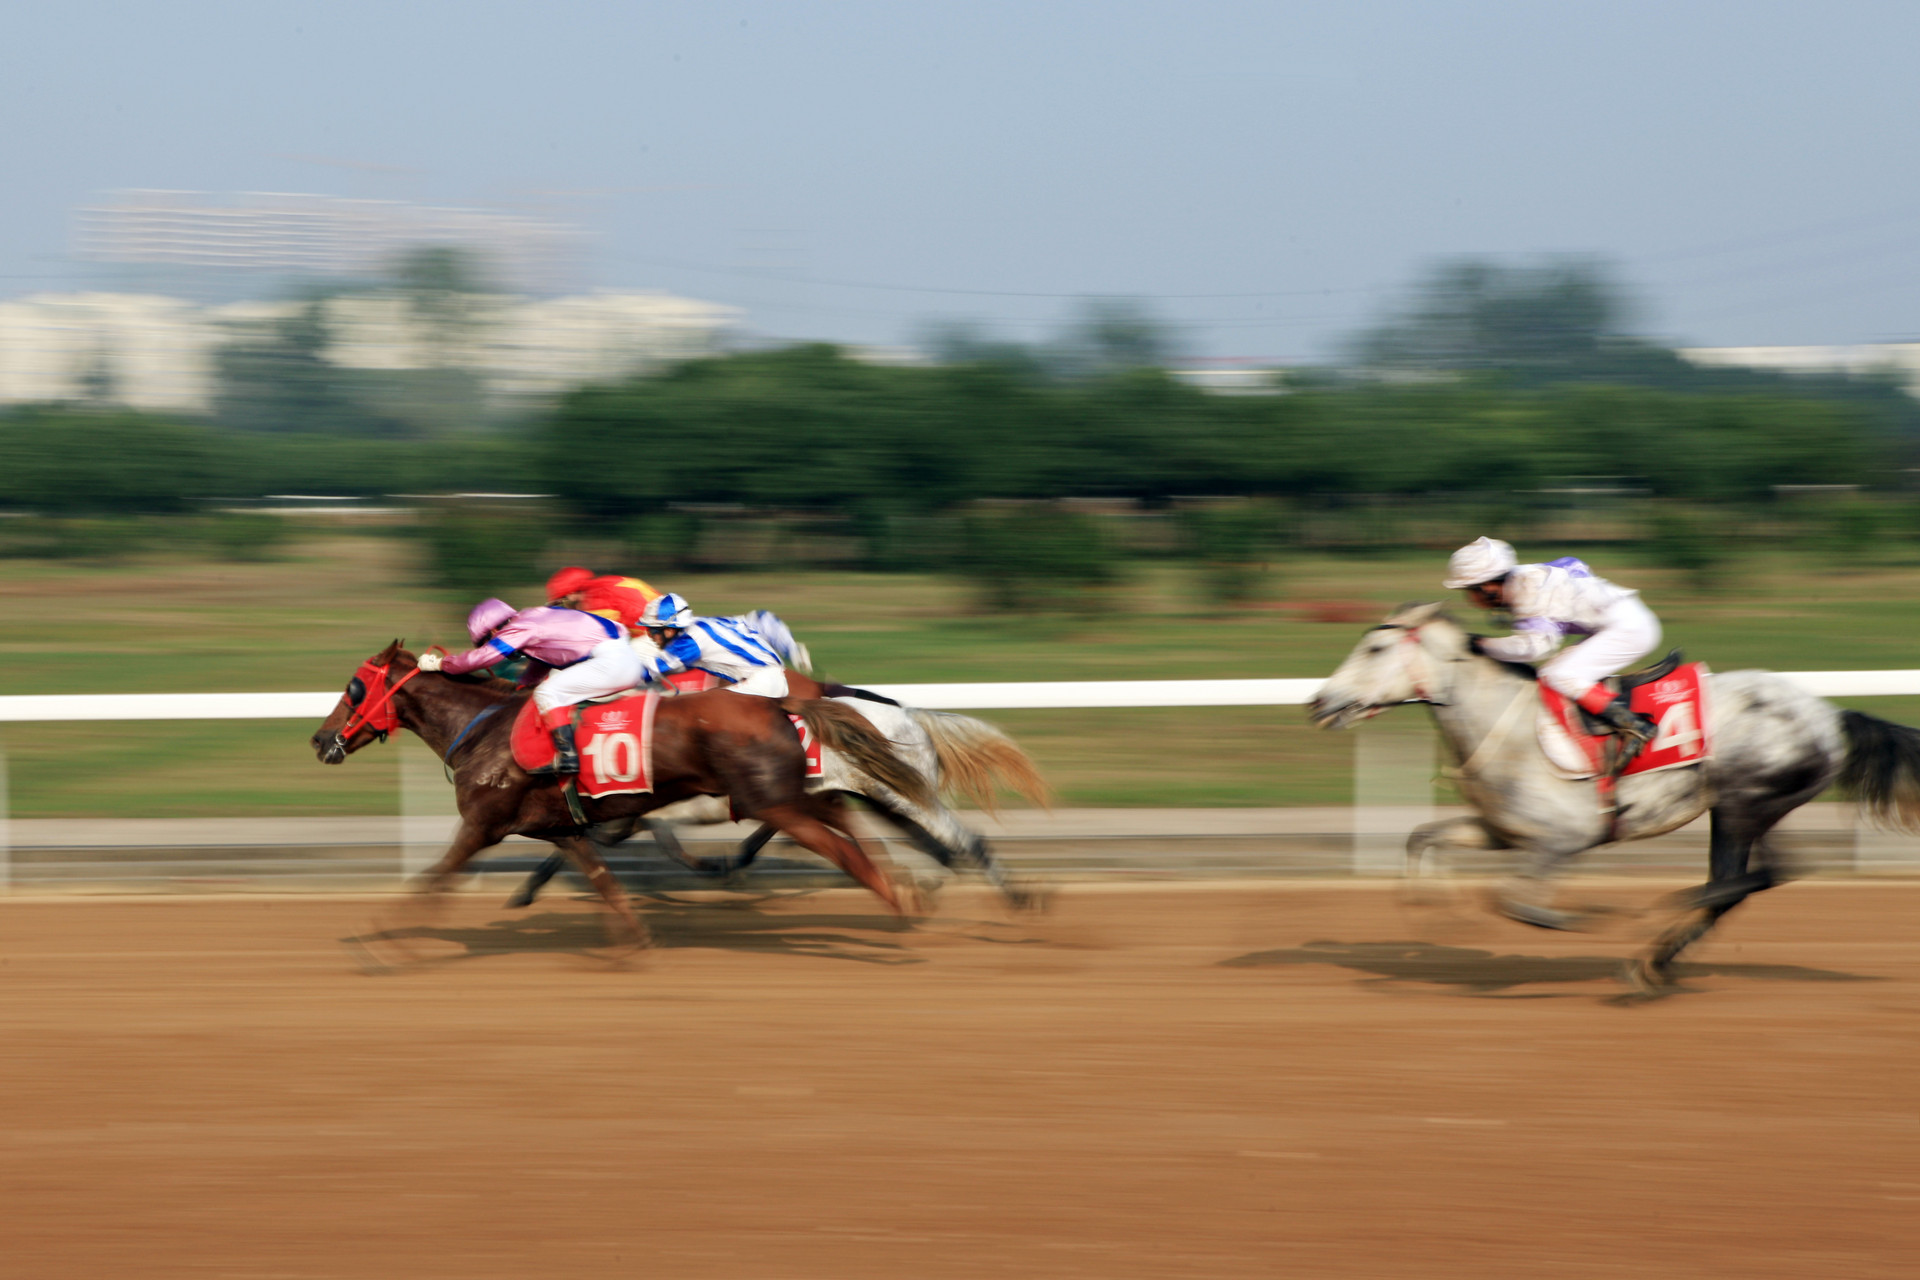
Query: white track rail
{"points": [[1036, 695]]}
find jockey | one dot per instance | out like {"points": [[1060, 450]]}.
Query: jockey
{"points": [[748, 651], [608, 595], [1557, 599], [591, 656]]}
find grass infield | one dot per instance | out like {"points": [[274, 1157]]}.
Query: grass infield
{"points": [[303, 622]]}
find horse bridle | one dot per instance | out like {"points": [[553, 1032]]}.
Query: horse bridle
{"points": [[377, 715], [1411, 635]]}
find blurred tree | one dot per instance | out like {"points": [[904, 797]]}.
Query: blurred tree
{"points": [[276, 378], [112, 461], [1038, 558], [1111, 336], [1473, 314], [98, 386]]}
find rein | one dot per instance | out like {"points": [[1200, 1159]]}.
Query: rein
{"points": [[1496, 735], [446, 757], [1501, 727]]}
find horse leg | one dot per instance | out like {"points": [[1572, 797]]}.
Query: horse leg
{"points": [[957, 845], [626, 927], [1527, 897], [743, 857], [468, 840], [1425, 865], [1426, 840], [603, 834], [810, 832], [537, 880], [1731, 880]]}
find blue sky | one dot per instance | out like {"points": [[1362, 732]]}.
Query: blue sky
{"points": [[1268, 175]]}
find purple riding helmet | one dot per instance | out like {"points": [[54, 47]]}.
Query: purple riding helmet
{"points": [[488, 617]]}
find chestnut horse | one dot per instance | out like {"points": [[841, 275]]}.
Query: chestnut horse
{"points": [[718, 743]]}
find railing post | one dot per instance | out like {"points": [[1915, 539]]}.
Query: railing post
{"points": [[6, 826], [1393, 759], [426, 804]]}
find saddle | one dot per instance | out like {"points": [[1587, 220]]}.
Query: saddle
{"points": [[1622, 686], [1672, 693]]}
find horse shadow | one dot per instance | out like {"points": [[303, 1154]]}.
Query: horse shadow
{"points": [[1486, 973], [854, 938]]}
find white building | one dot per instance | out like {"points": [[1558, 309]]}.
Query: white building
{"points": [[160, 353], [1901, 359], [156, 353], [312, 236]]}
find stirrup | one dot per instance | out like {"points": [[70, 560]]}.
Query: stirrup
{"points": [[566, 756]]}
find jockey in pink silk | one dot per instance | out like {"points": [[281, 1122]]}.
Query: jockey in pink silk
{"points": [[591, 657], [1552, 601]]}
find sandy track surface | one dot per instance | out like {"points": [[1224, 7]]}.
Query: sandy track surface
{"points": [[1192, 1080]]}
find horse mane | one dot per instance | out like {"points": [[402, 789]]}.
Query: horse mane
{"points": [[1436, 611]]}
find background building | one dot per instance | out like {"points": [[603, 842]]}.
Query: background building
{"points": [[206, 245]]}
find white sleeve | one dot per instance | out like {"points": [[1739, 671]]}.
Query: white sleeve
{"points": [[1526, 644]]}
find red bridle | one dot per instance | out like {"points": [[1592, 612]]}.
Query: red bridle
{"points": [[374, 710]]}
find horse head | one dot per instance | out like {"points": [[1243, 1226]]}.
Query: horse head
{"points": [[365, 712], [1400, 660]]}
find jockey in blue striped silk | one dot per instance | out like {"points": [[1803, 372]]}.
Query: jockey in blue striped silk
{"points": [[750, 651]]}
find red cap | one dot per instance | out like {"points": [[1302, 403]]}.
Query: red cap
{"points": [[569, 580]]}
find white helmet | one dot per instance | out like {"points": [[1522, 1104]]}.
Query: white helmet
{"points": [[668, 610], [1481, 560]]}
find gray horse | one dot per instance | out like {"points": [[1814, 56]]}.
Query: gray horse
{"points": [[1775, 748]]}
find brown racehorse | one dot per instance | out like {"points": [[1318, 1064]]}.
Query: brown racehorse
{"points": [[715, 743]]}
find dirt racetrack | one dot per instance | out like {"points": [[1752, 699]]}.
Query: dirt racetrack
{"points": [[1187, 1080]]}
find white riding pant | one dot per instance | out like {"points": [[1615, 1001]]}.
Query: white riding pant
{"points": [[611, 667], [1630, 633], [768, 682]]}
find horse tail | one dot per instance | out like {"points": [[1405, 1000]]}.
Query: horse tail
{"points": [[1882, 772], [846, 731], [976, 758]]}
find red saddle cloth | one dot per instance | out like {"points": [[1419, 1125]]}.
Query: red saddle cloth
{"points": [[1676, 703], [811, 745], [615, 741]]}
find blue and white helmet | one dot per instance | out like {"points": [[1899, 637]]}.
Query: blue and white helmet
{"points": [[668, 610]]}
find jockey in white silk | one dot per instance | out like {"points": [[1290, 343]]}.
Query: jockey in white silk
{"points": [[1550, 602], [749, 651]]}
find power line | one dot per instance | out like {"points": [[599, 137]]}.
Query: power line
{"points": [[784, 278]]}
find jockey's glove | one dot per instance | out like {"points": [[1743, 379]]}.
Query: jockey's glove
{"points": [[429, 662]]}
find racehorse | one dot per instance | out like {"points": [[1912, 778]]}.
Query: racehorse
{"points": [[703, 744], [950, 751], [1775, 747]]}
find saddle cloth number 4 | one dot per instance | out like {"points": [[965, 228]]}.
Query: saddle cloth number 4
{"points": [[1678, 706], [1679, 729]]}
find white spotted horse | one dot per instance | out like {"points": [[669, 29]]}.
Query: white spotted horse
{"points": [[1775, 747]]}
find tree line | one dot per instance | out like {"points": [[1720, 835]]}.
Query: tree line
{"points": [[1499, 386]]}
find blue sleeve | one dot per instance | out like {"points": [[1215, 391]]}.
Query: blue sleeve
{"points": [[682, 653]]}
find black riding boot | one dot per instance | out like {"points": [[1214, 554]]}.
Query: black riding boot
{"points": [[566, 758], [1629, 724]]}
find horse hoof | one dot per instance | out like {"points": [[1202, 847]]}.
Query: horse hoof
{"points": [[1540, 917], [1031, 899], [1648, 979]]}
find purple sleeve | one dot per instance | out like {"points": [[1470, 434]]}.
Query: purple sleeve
{"points": [[1546, 626], [493, 651]]}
